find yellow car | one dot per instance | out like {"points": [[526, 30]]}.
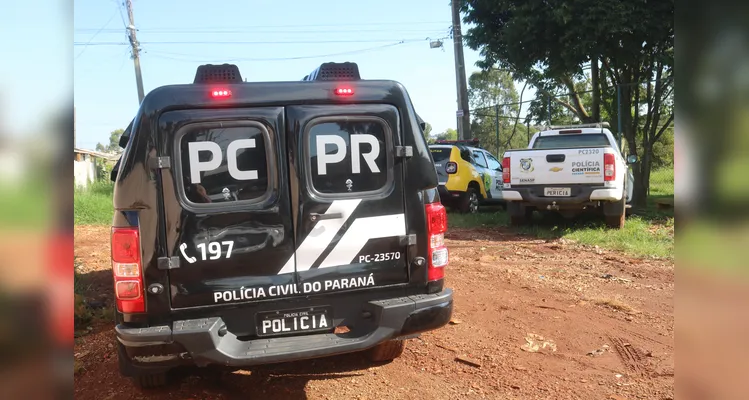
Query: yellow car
{"points": [[469, 176]]}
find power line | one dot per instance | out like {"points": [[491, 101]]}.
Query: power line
{"points": [[85, 46], [215, 42], [566, 94], [119, 8], [447, 23], [316, 31], [167, 55]]}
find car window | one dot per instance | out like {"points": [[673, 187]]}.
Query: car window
{"points": [[493, 163], [348, 156], [224, 164], [478, 156], [571, 140], [440, 154]]}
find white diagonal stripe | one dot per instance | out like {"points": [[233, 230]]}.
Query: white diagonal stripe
{"points": [[360, 232], [320, 237]]}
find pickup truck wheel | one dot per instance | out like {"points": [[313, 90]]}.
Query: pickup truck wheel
{"points": [[519, 214], [387, 351], [469, 203], [616, 214]]}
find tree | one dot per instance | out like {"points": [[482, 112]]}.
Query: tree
{"points": [[427, 132], [448, 134], [489, 92], [630, 44], [114, 142]]}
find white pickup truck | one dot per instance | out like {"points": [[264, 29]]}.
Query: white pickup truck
{"points": [[568, 169]]}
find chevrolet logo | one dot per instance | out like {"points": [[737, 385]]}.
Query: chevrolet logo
{"points": [[555, 169]]}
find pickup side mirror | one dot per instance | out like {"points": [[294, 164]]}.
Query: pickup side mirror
{"points": [[632, 159]]}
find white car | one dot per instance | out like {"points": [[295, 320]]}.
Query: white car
{"points": [[569, 169]]}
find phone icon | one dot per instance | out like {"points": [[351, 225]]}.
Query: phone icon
{"points": [[189, 259]]}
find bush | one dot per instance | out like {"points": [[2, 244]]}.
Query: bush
{"points": [[93, 204]]}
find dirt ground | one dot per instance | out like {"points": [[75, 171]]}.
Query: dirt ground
{"points": [[537, 319]]}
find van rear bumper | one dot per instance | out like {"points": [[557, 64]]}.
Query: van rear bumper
{"points": [[206, 341]]}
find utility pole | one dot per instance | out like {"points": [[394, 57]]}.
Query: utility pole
{"points": [[136, 50], [462, 114], [594, 80]]}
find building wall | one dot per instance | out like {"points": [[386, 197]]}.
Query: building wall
{"points": [[84, 170]]}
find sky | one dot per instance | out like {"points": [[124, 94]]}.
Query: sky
{"points": [[269, 40]]}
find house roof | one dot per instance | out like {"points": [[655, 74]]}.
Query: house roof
{"points": [[97, 154]]}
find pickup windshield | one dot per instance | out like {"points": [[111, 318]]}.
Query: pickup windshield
{"points": [[571, 140]]}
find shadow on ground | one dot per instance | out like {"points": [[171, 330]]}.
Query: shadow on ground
{"points": [[279, 381]]}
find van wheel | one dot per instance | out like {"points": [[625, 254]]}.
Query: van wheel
{"points": [[469, 203], [141, 379], [387, 351], [150, 381]]}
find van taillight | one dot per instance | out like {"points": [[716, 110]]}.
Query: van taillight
{"points": [[127, 270], [436, 228], [451, 167], [506, 170], [609, 167]]}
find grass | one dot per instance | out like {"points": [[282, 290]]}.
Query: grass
{"points": [[647, 233], [662, 182], [647, 236], [93, 204]]}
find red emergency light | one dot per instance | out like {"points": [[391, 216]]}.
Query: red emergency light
{"points": [[344, 91], [220, 93]]}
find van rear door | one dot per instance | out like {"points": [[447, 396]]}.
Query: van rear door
{"points": [[226, 206], [349, 204]]}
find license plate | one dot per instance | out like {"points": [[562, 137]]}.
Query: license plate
{"points": [[557, 192], [310, 319]]}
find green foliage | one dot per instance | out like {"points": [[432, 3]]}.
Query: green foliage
{"points": [[427, 132], [104, 169], [93, 205], [662, 182], [663, 150], [490, 92], [548, 43], [558, 36], [449, 134], [114, 143]]}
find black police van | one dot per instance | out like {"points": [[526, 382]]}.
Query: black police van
{"points": [[266, 222]]}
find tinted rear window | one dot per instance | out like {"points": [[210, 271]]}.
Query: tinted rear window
{"points": [[440, 154], [354, 156], [571, 140], [225, 164]]}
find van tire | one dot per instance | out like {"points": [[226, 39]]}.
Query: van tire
{"points": [[150, 381], [387, 351], [469, 202], [142, 379]]}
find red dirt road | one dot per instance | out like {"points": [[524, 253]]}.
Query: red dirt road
{"points": [[602, 321]]}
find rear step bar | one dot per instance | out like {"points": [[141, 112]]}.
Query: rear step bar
{"points": [[208, 342]]}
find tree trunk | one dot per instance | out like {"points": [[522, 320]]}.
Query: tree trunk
{"points": [[642, 178]]}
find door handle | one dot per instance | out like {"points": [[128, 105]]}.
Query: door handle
{"points": [[319, 217]]}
